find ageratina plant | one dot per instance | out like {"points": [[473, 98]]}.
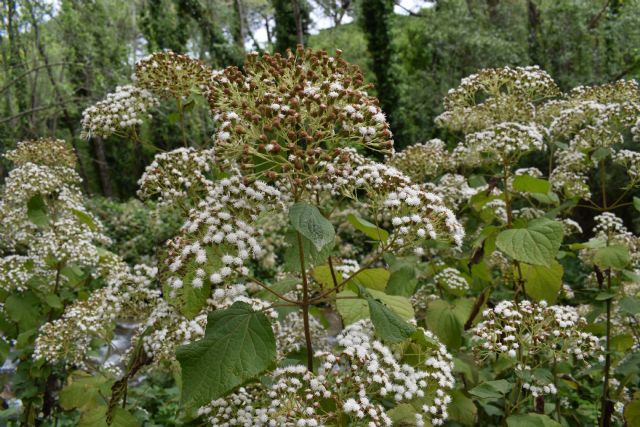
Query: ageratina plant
{"points": [[50, 255], [298, 139]]}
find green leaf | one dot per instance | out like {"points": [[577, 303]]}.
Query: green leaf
{"points": [[37, 211], [529, 184], [173, 117], [371, 230], [311, 255], [447, 320], [622, 343], [53, 301], [85, 218], [537, 244], [308, 221], [632, 413], [604, 296], [238, 345], [24, 310], [322, 275], [531, 420], [354, 309], [403, 414], [83, 391], [543, 283], [373, 278], [630, 305], [600, 153], [616, 256], [462, 409], [402, 281], [636, 203], [389, 326], [491, 389]]}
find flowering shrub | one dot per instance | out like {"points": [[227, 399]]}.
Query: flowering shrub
{"points": [[317, 277]]}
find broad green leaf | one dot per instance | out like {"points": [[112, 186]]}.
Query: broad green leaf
{"points": [[312, 256], [630, 305], [373, 278], [600, 153], [616, 256], [97, 417], [83, 391], [529, 184], [53, 301], [447, 320], [354, 309], [371, 230], [537, 244], [308, 221], [389, 326], [238, 345], [549, 198], [462, 409], [632, 413], [24, 310], [541, 282], [322, 275], [591, 244], [636, 203], [622, 343], [402, 281], [492, 389], [531, 420], [403, 414], [85, 218], [37, 211]]}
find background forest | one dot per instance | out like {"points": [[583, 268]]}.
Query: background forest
{"points": [[60, 57]]}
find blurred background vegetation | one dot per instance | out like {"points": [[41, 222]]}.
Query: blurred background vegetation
{"points": [[60, 56]]}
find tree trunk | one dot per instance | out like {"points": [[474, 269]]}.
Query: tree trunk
{"points": [[534, 27], [102, 165], [298, 18]]}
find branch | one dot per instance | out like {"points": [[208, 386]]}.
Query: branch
{"points": [[45, 107]]}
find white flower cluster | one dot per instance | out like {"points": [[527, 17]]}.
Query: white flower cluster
{"points": [[219, 236], [289, 333], [178, 176], [630, 161], [503, 143], [454, 189], [128, 294], [422, 161], [450, 279], [44, 152], [125, 108], [356, 381], [415, 213], [507, 94], [529, 329], [611, 229]]}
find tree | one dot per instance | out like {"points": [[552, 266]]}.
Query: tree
{"points": [[292, 23], [375, 20]]}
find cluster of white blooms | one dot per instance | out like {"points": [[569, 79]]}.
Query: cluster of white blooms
{"points": [[450, 279], [347, 267], [178, 176], [289, 333], [66, 230], [590, 123], [415, 213], [503, 143], [43, 151], [611, 229], [17, 270], [508, 94], [220, 236], [422, 161], [125, 108], [454, 189], [170, 74], [128, 294], [535, 384], [422, 297], [356, 381], [529, 329], [630, 160]]}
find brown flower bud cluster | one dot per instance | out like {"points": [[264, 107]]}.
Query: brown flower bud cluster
{"points": [[43, 151], [168, 74], [292, 115]]}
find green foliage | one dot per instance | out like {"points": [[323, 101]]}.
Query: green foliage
{"points": [[238, 345], [536, 244]]}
